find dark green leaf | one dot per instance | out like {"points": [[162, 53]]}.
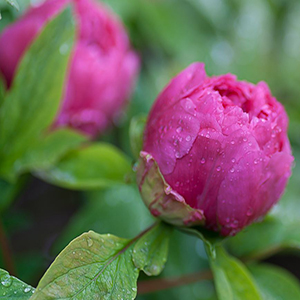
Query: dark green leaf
{"points": [[232, 279], [13, 3], [96, 166], [275, 283], [95, 266], [12, 288], [136, 131], [49, 150], [34, 98], [151, 250]]}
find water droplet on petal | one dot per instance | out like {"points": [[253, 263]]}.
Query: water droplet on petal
{"points": [[218, 169], [27, 289], [232, 170], [179, 129], [188, 138], [250, 212], [202, 160]]}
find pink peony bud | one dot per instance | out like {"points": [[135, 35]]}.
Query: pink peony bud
{"points": [[215, 152], [102, 69]]}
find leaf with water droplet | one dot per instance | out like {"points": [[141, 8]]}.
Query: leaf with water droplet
{"points": [[150, 251], [95, 266], [232, 279], [13, 288], [91, 266]]}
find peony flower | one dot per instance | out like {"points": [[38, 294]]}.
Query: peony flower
{"points": [[102, 69], [215, 153]]}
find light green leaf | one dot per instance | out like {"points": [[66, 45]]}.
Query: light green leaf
{"points": [[151, 251], [97, 166], [136, 130], [32, 102], [13, 3], [94, 266], [275, 283], [48, 150], [232, 279], [12, 288]]}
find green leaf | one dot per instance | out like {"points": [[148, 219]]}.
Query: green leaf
{"points": [[151, 251], [13, 3], [97, 166], [32, 102], [275, 283], [12, 288], [136, 130], [93, 266], [232, 279], [49, 150]]}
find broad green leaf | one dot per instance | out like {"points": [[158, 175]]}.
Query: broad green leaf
{"points": [[94, 266], [136, 131], [32, 102], [48, 150], [96, 166], [12, 288], [13, 3], [275, 283], [151, 250], [232, 279]]}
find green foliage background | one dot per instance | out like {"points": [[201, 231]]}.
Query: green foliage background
{"points": [[256, 40]]}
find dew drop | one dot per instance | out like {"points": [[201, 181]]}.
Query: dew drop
{"points": [[232, 170], [27, 289], [6, 280], [177, 154], [250, 212], [233, 160], [188, 138], [179, 129], [218, 169], [64, 49], [202, 161], [89, 242], [232, 142]]}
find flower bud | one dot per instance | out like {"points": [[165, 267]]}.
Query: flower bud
{"points": [[215, 153], [102, 69]]}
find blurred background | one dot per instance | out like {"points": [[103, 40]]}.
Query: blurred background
{"points": [[258, 40]]}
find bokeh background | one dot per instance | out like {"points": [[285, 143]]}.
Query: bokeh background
{"points": [[256, 40]]}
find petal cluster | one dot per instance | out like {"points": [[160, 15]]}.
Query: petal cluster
{"points": [[222, 145], [103, 66]]}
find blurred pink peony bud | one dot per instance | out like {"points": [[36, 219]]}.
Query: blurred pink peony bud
{"points": [[216, 152], [102, 70]]}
